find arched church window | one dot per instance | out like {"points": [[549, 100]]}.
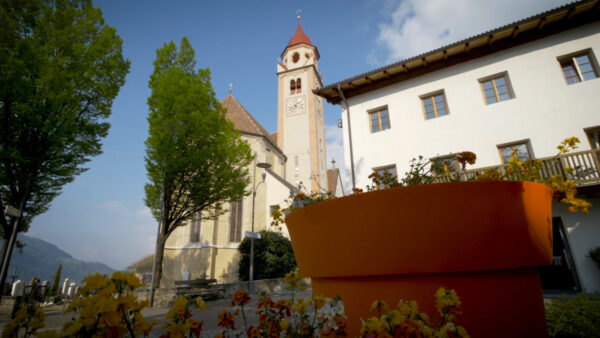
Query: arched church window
{"points": [[293, 87], [298, 85]]}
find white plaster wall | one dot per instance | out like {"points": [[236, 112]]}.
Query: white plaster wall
{"points": [[584, 233], [545, 109], [296, 133], [302, 50], [276, 194]]}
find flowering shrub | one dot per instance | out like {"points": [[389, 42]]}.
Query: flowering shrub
{"points": [[28, 320], [295, 317], [296, 201], [108, 307], [179, 321], [406, 320], [565, 190], [427, 171]]}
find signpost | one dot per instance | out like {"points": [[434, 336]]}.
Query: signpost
{"points": [[255, 235]]}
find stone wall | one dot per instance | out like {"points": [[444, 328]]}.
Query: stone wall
{"points": [[164, 297]]}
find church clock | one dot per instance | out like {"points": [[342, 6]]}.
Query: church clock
{"points": [[295, 105]]}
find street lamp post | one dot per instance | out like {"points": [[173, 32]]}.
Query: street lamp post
{"points": [[265, 166]]}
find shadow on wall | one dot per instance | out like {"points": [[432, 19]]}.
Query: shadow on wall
{"points": [[185, 263], [230, 273]]}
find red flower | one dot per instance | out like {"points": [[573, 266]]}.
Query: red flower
{"points": [[240, 297]]}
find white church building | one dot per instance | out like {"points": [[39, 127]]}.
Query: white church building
{"points": [[290, 160], [525, 86]]}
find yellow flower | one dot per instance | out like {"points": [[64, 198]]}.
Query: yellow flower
{"points": [[284, 324], [379, 307], [319, 301], [200, 304], [294, 280], [370, 326]]}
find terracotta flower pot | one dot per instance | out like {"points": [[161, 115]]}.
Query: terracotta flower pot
{"points": [[483, 239]]}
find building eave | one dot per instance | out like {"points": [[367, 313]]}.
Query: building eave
{"points": [[526, 30]]}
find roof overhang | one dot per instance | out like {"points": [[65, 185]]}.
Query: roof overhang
{"points": [[523, 31]]}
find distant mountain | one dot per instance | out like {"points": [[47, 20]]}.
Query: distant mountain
{"points": [[41, 259]]}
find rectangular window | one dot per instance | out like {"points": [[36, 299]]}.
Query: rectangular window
{"points": [[444, 164], [434, 105], [235, 222], [579, 67], [379, 120], [389, 169], [496, 88], [195, 228], [593, 135], [520, 149]]}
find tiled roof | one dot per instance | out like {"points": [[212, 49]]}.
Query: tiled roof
{"points": [[299, 37], [143, 265], [537, 26], [332, 178], [243, 120]]}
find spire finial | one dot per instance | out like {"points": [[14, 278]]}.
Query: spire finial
{"points": [[230, 88], [298, 12]]}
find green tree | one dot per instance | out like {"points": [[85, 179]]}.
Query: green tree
{"points": [[196, 160], [57, 279], [61, 67], [273, 256]]}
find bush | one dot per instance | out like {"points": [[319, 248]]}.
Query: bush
{"points": [[273, 256], [575, 317], [594, 254]]}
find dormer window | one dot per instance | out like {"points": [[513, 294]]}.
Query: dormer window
{"points": [[293, 87]]}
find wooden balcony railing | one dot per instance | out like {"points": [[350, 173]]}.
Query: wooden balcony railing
{"points": [[585, 167]]}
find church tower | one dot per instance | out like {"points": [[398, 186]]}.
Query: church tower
{"points": [[300, 123]]}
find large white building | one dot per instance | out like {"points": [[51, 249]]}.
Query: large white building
{"points": [[525, 86]]}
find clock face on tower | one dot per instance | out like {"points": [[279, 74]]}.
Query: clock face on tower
{"points": [[295, 105]]}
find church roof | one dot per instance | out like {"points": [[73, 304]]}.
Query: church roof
{"points": [[332, 179], [243, 120], [299, 37], [143, 265]]}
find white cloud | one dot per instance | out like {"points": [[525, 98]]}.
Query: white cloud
{"points": [[113, 206], [416, 26]]}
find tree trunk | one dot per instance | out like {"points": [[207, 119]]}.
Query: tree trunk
{"points": [[158, 259], [3, 256], [5, 253]]}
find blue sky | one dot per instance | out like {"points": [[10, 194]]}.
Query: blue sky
{"points": [[101, 216]]}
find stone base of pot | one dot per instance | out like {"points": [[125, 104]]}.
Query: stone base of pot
{"points": [[502, 303]]}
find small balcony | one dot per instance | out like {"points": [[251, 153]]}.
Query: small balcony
{"points": [[584, 168]]}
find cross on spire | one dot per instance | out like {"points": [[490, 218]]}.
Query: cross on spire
{"points": [[298, 12]]}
